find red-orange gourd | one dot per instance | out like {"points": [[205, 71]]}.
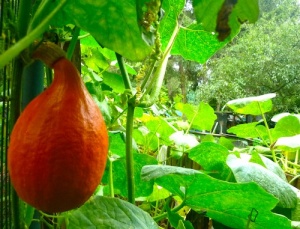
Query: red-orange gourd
{"points": [[58, 146]]}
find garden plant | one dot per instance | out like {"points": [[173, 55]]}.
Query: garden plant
{"points": [[164, 160]]}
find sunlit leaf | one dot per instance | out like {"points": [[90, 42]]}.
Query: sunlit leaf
{"points": [[252, 105], [288, 143], [286, 126], [201, 117], [249, 130], [193, 43]]}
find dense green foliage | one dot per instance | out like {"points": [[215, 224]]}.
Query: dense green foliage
{"points": [[157, 172]]}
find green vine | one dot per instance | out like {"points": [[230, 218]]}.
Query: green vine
{"points": [[25, 42]]}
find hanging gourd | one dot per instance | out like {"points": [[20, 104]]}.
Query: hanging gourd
{"points": [[58, 146]]}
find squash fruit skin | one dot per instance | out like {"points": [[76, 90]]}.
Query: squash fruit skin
{"points": [[58, 146]]}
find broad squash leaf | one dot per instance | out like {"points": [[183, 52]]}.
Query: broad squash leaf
{"points": [[229, 203], [247, 171], [105, 212]]}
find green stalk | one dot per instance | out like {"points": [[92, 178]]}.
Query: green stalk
{"points": [[22, 44], [124, 72], [73, 42], [164, 215], [129, 154], [268, 130], [129, 129], [111, 179]]}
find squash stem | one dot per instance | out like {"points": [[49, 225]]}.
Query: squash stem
{"points": [[129, 129], [129, 153], [124, 73]]}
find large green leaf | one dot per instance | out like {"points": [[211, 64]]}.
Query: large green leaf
{"points": [[252, 105], [212, 157], [105, 212], [247, 171], [201, 117], [229, 203], [114, 24], [228, 14]]}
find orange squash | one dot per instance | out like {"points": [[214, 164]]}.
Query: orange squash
{"points": [[58, 146]]}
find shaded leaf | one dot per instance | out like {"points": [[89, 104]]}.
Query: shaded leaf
{"points": [[105, 212], [115, 81], [247, 172]]}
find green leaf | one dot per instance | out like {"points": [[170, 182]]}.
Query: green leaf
{"points": [[177, 221], [172, 10], [159, 193], [116, 144], [201, 118], [115, 81], [252, 105], [158, 125], [229, 203], [105, 212], [113, 24], [226, 143], [142, 189], [288, 143], [195, 44], [212, 157], [286, 127], [248, 130], [246, 10], [248, 171]]}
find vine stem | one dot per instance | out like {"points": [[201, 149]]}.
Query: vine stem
{"points": [[16, 49], [73, 42], [129, 154], [268, 130], [129, 129]]}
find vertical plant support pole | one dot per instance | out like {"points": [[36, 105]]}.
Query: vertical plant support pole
{"points": [[129, 129]]}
